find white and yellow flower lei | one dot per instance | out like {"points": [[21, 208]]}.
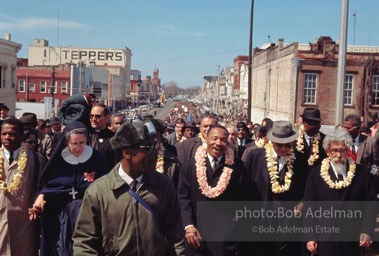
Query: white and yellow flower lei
{"points": [[260, 143], [22, 161], [300, 146], [201, 172], [272, 166], [160, 161], [337, 184]]}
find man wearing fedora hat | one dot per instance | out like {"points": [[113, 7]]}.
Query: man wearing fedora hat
{"points": [[309, 142], [274, 174]]}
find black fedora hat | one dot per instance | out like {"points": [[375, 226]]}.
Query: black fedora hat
{"points": [[4, 106], [282, 132], [311, 114], [190, 124]]}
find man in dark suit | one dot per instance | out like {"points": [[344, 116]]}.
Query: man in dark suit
{"points": [[202, 184], [310, 138], [339, 179], [187, 148], [242, 139], [277, 173], [99, 135], [176, 136], [364, 150]]}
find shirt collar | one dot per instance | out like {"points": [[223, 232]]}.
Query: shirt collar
{"points": [[210, 158], [126, 177], [7, 154]]}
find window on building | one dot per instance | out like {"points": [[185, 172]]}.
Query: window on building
{"points": [[21, 86], [375, 90], [310, 88], [64, 87], [32, 88], [348, 92], [43, 87], [13, 76]]}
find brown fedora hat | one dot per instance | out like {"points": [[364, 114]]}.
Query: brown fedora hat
{"points": [[282, 132], [311, 114]]}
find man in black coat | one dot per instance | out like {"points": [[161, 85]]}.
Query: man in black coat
{"points": [[99, 135], [274, 175], [310, 138], [340, 180], [199, 181]]}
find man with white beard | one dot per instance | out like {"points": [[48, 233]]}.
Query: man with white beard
{"points": [[340, 179]]}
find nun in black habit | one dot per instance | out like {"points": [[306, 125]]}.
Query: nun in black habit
{"points": [[70, 170]]}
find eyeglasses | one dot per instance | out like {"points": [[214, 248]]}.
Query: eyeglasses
{"points": [[95, 116], [350, 128], [288, 145], [77, 144], [150, 148], [241, 130], [338, 150], [31, 141]]}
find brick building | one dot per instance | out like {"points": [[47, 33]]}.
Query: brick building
{"points": [[289, 77], [8, 65]]}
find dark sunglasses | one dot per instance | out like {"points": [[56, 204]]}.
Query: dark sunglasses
{"points": [[150, 148], [288, 145]]}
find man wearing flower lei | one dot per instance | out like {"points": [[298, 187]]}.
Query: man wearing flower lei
{"points": [[187, 148], [275, 174], [213, 175], [310, 138], [167, 162], [339, 179], [18, 184]]}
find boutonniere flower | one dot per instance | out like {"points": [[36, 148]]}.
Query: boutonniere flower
{"points": [[90, 177]]}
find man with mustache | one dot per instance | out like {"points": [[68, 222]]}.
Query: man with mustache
{"points": [[212, 175], [338, 180]]}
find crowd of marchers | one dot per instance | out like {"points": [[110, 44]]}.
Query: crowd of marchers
{"points": [[91, 183]]}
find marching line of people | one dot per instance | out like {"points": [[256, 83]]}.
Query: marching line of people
{"points": [[101, 185]]}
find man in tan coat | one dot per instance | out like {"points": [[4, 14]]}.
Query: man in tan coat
{"points": [[18, 184]]}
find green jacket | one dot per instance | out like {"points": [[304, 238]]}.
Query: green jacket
{"points": [[112, 222]]}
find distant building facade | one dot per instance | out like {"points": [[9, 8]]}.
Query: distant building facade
{"points": [[8, 66], [116, 61], [286, 78]]}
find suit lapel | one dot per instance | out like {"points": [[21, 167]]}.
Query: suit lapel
{"points": [[361, 147]]}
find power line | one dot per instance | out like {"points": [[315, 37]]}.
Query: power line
{"points": [[187, 58]]}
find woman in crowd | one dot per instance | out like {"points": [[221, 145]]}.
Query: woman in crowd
{"points": [[70, 170], [31, 140]]}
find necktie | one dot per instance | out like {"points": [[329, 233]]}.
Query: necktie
{"points": [[133, 185], [10, 158], [340, 177], [214, 164], [353, 150], [310, 144]]}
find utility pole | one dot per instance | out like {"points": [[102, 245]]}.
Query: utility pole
{"points": [[250, 77], [52, 92], [341, 63]]}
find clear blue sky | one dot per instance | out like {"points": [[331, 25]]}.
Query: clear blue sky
{"points": [[186, 40]]}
